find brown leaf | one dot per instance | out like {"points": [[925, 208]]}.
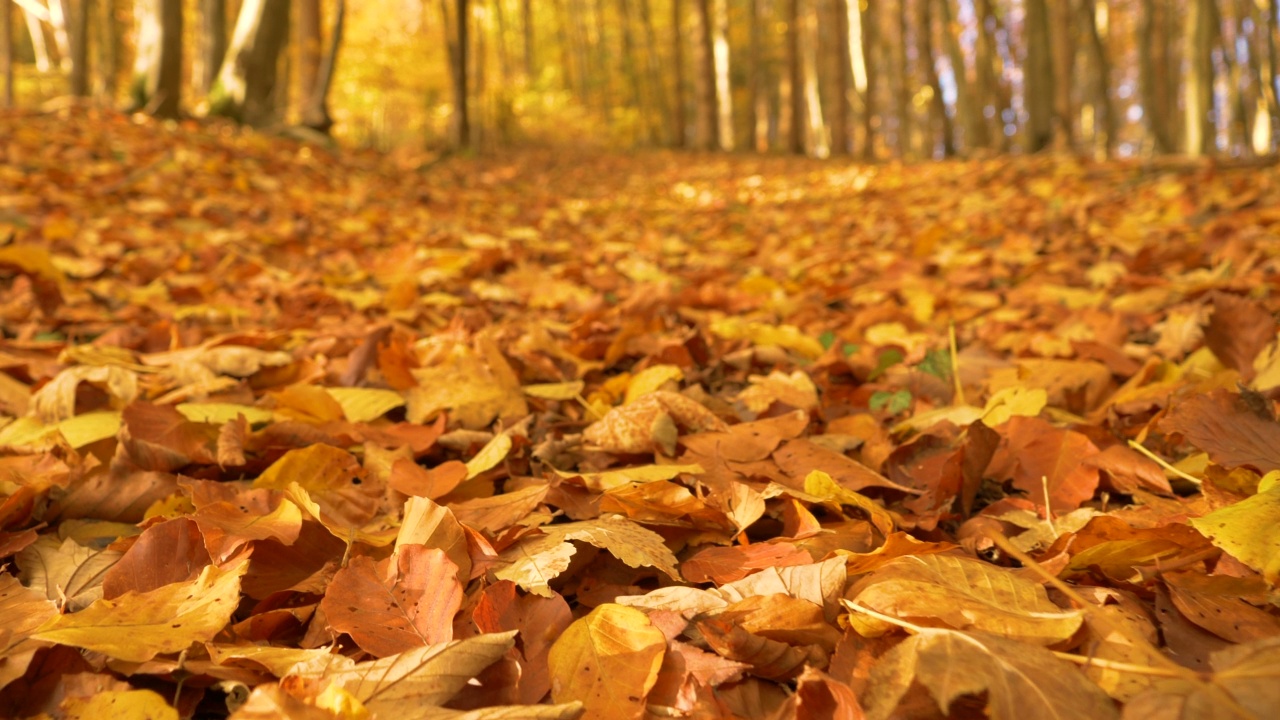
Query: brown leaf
{"points": [[395, 605], [1238, 330], [1220, 423]]}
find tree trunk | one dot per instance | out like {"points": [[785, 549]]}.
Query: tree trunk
{"points": [[157, 71], [968, 107], [38, 47], [308, 48], [315, 113], [213, 41], [720, 58], [78, 36], [1198, 48], [903, 96], [1063, 39], [1262, 57], [819, 142], [631, 68], [678, 135], [604, 73], [246, 84], [1152, 56], [708, 127], [1102, 75], [460, 121], [843, 75], [795, 139], [58, 12], [755, 79], [6, 53], [865, 53], [1038, 77], [939, 120]]}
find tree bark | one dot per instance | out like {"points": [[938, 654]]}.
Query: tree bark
{"points": [[245, 90], [1038, 77], [679, 134], [157, 71], [708, 126], [903, 96], [308, 48], [1063, 40], [38, 46], [795, 138], [968, 107], [460, 120], [1102, 76], [213, 41], [78, 37], [1198, 49], [940, 122], [869, 32], [315, 113], [6, 53], [1152, 56], [720, 58], [843, 75]]}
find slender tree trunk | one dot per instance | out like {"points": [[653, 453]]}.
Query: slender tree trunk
{"points": [[865, 53], [246, 86], [566, 53], [1063, 39], [903, 96], [1038, 77], [1273, 57], [653, 78], [1151, 59], [61, 39], [308, 48], [6, 53], [708, 127], [757, 107], [1198, 44], [157, 72], [600, 44], [940, 122], [968, 107], [78, 37], [630, 67], [213, 41], [724, 91], [679, 135], [38, 46], [315, 113], [1102, 76], [795, 138], [1262, 57], [843, 75], [460, 122]]}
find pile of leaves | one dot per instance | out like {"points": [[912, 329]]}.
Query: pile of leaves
{"points": [[289, 433]]}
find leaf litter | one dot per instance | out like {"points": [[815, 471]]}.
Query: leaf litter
{"points": [[288, 434]]}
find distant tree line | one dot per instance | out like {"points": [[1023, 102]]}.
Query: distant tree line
{"points": [[873, 79]]}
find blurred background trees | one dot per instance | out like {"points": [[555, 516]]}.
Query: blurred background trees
{"points": [[875, 79]]}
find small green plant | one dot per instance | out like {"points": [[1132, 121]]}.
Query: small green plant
{"points": [[895, 402]]}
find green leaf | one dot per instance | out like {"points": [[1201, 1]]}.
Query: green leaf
{"points": [[895, 402], [827, 339], [887, 359], [848, 349], [937, 363]]}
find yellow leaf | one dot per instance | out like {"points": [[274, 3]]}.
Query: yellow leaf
{"points": [[317, 467], [1015, 400], [222, 413], [1247, 531], [823, 486], [555, 391], [119, 705], [784, 336], [494, 452], [628, 541], [612, 479], [28, 435], [650, 379], [608, 661], [1019, 680], [365, 404], [89, 428], [965, 594], [138, 626], [378, 537]]}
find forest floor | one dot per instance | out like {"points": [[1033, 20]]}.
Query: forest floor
{"points": [[287, 432]]}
